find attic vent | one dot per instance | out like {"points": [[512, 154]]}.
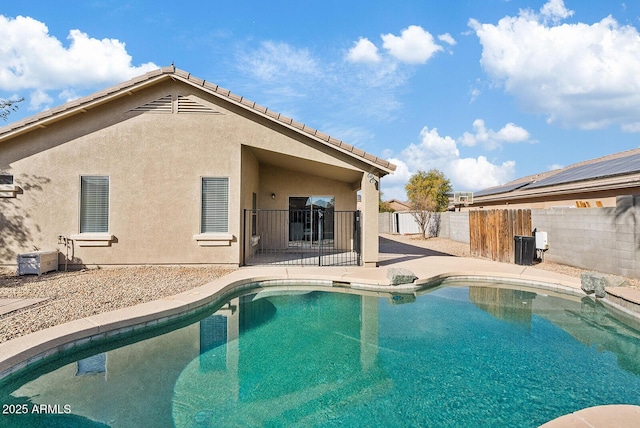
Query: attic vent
{"points": [[187, 105], [6, 179], [161, 105]]}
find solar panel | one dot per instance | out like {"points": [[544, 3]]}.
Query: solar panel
{"points": [[605, 168], [500, 189]]}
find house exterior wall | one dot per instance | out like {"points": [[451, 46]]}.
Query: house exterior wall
{"points": [[250, 184], [370, 200], [155, 162]]}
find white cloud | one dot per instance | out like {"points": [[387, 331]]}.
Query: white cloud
{"points": [[490, 139], [578, 75], [272, 60], [555, 166], [555, 10], [363, 51], [475, 174], [442, 153], [392, 185], [446, 37], [33, 59], [279, 72], [414, 45], [39, 100]]}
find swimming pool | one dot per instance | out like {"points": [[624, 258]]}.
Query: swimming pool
{"points": [[451, 356]]}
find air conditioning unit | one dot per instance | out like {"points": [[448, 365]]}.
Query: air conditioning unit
{"points": [[37, 262]]}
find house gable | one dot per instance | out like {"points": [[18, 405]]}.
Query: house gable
{"points": [[82, 105]]}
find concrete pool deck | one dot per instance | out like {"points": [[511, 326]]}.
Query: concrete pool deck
{"points": [[11, 305], [19, 353]]}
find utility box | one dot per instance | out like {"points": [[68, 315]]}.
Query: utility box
{"points": [[541, 241], [525, 249], [38, 262]]}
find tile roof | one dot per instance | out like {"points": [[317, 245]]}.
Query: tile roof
{"points": [[100, 97]]}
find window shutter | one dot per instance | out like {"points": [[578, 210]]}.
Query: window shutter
{"points": [[94, 204], [215, 205]]}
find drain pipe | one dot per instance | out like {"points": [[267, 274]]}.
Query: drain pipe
{"points": [[63, 240]]}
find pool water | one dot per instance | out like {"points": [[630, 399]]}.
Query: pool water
{"points": [[453, 356]]}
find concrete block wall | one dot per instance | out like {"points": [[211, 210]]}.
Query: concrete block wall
{"points": [[582, 237], [445, 226], [454, 226], [600, 239], [628, 235], [385, 222], [459, 226]]}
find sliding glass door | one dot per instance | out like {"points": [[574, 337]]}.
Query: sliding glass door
{"points": [[311, 218]]}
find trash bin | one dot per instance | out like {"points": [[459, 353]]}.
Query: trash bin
{"points": [[525, 247]]}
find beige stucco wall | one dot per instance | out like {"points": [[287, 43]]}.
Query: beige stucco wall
{"points": [[369, 223], [155, 162], [250, 185]]}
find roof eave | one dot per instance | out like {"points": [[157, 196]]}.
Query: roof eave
{"points": [[577, 187]]}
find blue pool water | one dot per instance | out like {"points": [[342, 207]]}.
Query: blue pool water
{"points": [[454, 356]]}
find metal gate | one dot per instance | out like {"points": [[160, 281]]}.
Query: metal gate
{"points": [[311, 237]]}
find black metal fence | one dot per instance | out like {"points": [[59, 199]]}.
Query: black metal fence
{"points": [[314, 237]]}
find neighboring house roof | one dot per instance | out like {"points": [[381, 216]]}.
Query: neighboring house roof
{"points": [[616, 171], [82, 104], [399, 205]]}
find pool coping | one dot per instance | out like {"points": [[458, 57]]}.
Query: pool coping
{"points": [[20, 353]]}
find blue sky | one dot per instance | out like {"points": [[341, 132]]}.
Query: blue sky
{"points": [[484, 90]]}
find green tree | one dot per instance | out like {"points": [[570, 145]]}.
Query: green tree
{"points": [[427, 193], [8, 106], [383, 206], [428, 190]]}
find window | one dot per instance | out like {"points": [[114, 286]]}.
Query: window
{"points": [[94, 204], [215, 205], [7, 187]]}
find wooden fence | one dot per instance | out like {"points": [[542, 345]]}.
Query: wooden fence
{"points": [[491, 233]]}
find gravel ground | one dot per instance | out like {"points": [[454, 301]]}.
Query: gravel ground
{"points": [[79, 294]]}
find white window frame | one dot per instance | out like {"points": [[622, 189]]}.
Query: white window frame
{"points": [[9, 190], [100, 238], [213, 238]]}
